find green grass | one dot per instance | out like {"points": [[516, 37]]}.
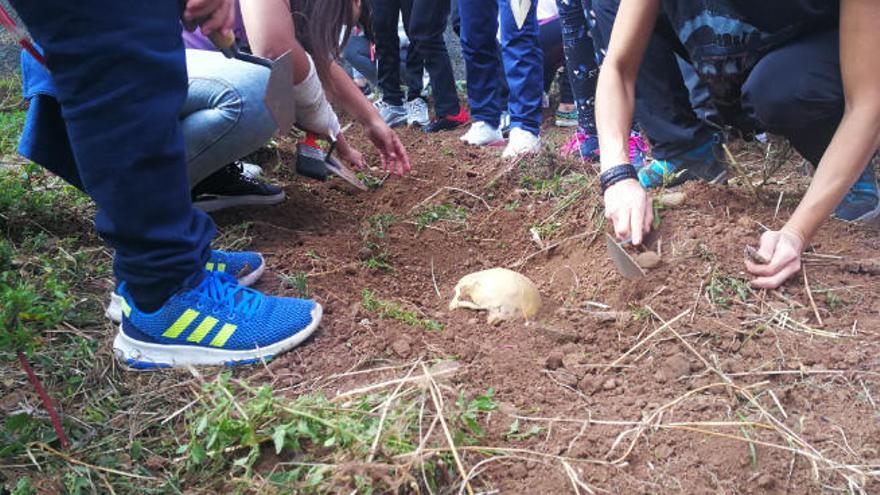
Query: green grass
{"points": [[722, 289], [392, 310], [441, 213], [297, 282]]}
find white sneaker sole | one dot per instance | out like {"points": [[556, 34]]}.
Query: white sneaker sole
{"points": [[233, 201], [146, 355], [114, 309]]}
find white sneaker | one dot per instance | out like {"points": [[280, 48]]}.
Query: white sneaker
{"points": [[520, 143], [417, 112], [481, 134]]}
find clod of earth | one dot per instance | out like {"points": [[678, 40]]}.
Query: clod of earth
{"points": [[672, 199], [648, 259], [503, 293]]}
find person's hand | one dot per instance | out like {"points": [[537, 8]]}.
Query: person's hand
{"points": [[209, 15], [394, 157], [783, 248], [349, 154], [629, 208]]}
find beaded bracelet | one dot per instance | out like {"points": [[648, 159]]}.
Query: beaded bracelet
{"points": [[616, 174]]}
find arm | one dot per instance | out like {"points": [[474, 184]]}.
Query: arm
{"points": [[270, 34], [626, 203], [855, 141]]}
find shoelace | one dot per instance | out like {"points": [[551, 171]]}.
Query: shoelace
{"points": [[222, 289]]}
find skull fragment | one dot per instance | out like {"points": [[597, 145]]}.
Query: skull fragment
{"points": [[503, 293]]}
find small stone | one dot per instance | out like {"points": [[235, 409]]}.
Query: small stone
{"points": [[365, 253], [572, 360], [554, 361], [589, 384], [766, 481], [609, 384], [672, 199], [472, 321], [518, 471], [648, 259], [401, 347], [566, 378], [350, 270], [354, 310]]}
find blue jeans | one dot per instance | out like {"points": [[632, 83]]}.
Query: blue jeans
{"points": [[224, 117], [113, 129], [520, 55]]}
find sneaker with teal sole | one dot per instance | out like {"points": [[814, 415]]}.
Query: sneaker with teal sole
{"points": [[862, 202], [218, 322], [245, 266], [701, 163], [566, 119]]}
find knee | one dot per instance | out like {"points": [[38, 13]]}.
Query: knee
{"points": [[784, 102]]}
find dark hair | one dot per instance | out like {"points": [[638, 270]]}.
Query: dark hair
{"points": [[318, 27]]}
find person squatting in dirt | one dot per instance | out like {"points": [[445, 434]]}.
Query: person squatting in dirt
{"points": [[799, 68], [109, 117]]}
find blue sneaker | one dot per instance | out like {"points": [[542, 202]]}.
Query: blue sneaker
{"points": [[219, 322], [701, 163], [862, 202], [247, 267]]}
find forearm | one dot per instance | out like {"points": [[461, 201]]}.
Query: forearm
{"points": [[271, 33], [615, 104], [855, 141], [343, 92], [616, 88]]}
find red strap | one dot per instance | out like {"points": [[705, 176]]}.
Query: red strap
{"points": [[13, 28]]}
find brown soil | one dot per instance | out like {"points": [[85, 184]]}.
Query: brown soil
{"points": [[552, 367]]}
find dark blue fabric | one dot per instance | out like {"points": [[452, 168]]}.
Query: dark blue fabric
{"points": [[725, 39], [521, 57], [119, 74], [663, 105], [388, 53]]}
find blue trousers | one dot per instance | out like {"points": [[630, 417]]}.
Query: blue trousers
{"points": [[520, 55], [112, 128]]}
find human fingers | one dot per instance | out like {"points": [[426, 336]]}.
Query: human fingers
{"points": [[220, 20], [777, 279]]}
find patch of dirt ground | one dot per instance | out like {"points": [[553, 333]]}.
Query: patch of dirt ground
{"points": [[739, 391]]}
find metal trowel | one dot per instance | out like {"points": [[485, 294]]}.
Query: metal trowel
{"points": [[313, 162], [279, 90], [624, 263]]}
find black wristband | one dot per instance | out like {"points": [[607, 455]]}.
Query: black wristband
{"points": [[616, 174]]}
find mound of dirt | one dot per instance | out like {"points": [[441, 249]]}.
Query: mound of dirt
{"points": [[654, 375]]}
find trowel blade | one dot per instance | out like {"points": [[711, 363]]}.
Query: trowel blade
{"points": [[624, 263], [345, 173], [279, 93]]}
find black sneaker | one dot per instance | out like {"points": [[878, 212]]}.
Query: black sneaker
{"points": [[230, 186], [447, 123]]}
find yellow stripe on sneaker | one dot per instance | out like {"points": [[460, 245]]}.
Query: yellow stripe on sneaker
{"points": [[202, 330], [209, 267], [180, 325], [221, 267], [223, 335], [126, 309]]}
